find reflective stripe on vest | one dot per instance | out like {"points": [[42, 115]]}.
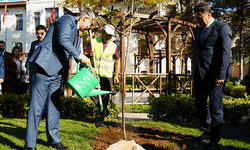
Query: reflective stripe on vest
{"points": [[104, 59]]}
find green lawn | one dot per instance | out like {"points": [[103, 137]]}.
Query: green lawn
{"points": [[79, 133]]}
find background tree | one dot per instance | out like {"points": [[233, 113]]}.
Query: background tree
{"points": [[105, 7]]}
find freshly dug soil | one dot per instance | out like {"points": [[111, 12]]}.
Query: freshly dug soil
{"points": [[149, 138]]}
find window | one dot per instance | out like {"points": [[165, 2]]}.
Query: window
{"points": [[48, 16], [20, 45], [19, 22], [37, 19]]}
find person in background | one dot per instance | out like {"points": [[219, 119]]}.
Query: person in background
{"points": [[106, 55], [247, 81], [12, 64], [4, 54], [25, 77], [228, 75], [1, 67], [46, 65], [40, 34], [210, 64]]}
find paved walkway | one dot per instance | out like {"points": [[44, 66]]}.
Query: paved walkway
{"points": [[134, 116], [143, 99]]}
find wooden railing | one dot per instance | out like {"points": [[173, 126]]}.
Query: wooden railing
{"points": [[178, 87]]}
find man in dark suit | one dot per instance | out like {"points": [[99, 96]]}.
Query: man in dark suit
{"points": [[1, 67], [210, 63], [4, 54], [40, 34], [47, 63]]}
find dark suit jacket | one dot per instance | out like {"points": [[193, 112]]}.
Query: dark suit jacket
{"points": [[10, 69], [1, 67], [33, 47], [6, 54], [212, 56], [53, 53]]}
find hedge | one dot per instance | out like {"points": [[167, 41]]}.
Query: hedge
{"points": [[12, 105], [183, 109], [238, 91]]}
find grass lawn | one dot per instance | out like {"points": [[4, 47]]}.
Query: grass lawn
{"points": [[78, 134]]}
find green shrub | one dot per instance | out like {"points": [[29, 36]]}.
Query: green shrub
{"points": [[14, 105], [173, 108], [113, 109], [238, 91], [18, 105], [184, 109], [236, 109], [230, 83], [77, 107]]}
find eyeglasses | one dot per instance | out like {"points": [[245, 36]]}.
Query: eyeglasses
{"points": [[39, 33]]}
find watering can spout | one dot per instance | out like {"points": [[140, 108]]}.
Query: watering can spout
{"points": [[96, 92]]}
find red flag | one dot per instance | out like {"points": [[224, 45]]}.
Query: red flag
{"points": [[52, 15], [4, 13]]}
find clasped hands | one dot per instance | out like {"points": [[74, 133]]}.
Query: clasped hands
{"points": [[218, 81]]}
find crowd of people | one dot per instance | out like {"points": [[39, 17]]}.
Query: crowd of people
{"points": [[14, 75]]}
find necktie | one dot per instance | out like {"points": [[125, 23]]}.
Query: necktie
{"points": [[203, 33], [77, 34]]}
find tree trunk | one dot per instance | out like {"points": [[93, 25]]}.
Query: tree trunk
{"points": [[241, 56]]}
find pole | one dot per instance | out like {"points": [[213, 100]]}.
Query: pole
{"points": [[91, 41], [6, 25]]}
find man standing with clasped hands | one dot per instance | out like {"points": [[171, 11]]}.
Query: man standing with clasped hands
{"points": [[210, 63]]}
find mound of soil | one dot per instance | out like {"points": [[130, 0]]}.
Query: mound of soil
{"points": [[149, 138]]}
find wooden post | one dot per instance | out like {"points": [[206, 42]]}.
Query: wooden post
{"points": [[160, 70], [133, 88], [168, 58], [68, 89], [151, 62], [174, 77], [123, 77]]}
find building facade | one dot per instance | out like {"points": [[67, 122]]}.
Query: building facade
{"points": [[21, 19]]}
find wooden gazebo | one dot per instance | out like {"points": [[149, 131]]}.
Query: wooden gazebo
{"points": [[150, 25]]}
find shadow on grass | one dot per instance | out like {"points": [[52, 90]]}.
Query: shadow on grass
{"points": [[11, 129], [17, 131]]}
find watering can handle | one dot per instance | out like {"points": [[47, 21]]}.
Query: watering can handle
{"points": [[78, 67]]}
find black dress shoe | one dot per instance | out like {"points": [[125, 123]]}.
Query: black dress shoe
{"points": [[212, 145], [204, 137], [30, 148], [59, 146]]}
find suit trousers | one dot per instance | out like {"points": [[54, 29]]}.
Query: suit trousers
{"points": [[105, 85], [45, 93], [210, 120]]}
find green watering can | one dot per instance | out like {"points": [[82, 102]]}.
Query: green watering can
{"points": [[84, 83]]}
